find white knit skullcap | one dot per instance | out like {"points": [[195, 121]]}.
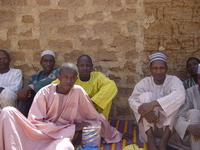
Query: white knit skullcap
{"points": [[158, 56], [48, 52], [198, 72]]}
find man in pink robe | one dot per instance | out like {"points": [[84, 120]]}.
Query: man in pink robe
{"points": [[57, 112]]}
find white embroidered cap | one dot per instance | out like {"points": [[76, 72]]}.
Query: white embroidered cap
{"points": [[158, 56], [48, 52]]}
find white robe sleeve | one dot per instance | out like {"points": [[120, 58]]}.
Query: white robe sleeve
{"points": [[181, 122], [13, 80], [173, 101], [134, 101]]}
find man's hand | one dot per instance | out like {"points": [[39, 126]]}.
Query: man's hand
{"points": [[147, 107], [196, 138], [151, 117], [24, 93], [80, 126], [195, 130], [127, 136]]}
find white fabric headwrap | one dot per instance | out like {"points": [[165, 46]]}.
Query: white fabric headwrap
{"points": [[198, 72], [48, 52], [158, 56]]}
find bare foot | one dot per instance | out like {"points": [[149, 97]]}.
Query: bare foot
{"points": [[151, 140], [164, 139]]}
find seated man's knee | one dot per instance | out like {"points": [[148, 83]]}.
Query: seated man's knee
{"points": [[8, 95], [7, 110], [8, 98], [146, 97], [193, 115]]}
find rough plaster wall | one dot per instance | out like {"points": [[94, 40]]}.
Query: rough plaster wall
{"points": [[118, 34], [175, 30]]}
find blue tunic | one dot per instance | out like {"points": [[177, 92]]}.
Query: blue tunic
{"points": [[38, 80]]}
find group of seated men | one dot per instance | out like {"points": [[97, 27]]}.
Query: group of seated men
{"points": [[163, 111], [52, 113]]}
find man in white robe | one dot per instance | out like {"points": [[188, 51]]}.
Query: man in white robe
{"points": [[188, 118], [57, 112], [155, 101], [10, 81]]}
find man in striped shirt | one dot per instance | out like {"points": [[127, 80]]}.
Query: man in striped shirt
{"points": [[10, 81], [100, 88], [192, 65]]}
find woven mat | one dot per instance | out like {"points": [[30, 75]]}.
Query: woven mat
{"points": [[124, 127]]}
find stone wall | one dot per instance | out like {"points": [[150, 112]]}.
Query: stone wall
{"points": [[118, 34]]}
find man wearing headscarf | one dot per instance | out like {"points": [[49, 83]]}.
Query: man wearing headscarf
{"points": [[155, 101], [37, 81], [187, 123]]}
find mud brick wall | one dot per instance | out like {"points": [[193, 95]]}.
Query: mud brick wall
{"points": [[118, 34]]}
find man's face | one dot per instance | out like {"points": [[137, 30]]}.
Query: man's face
{"points": [[47, 62], [4, 61], [158, 70], [85, 67], [192, 66], [67, 79]]}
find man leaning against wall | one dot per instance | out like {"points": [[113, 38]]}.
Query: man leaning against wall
{"points": [[10, 81], [37, 81], [155, 101]]}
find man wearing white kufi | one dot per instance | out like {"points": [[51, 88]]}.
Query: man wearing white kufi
{"points": [[188, 118], [155, 101], [37, 81], [48, 52]]}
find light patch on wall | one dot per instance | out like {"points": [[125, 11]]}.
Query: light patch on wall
{"points": [[161, 48], [3, 34], [148, 21]]}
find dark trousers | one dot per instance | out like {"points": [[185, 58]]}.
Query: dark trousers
{"points": [[24, 106]]}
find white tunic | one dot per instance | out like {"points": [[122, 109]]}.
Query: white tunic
{"points": [[170, 95], [11, 81], [188, 114]]}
